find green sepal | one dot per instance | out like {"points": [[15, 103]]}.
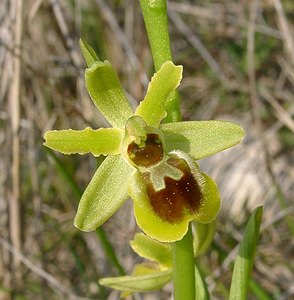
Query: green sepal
{"points": [[201, 138], [89, 54], [244, 262], [105, 193], [103, 141], [148, 248], [107, 94], [203, 236], [163, 82], [150, 281]]}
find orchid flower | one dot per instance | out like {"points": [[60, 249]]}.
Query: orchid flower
{"points": [[154, 163]]}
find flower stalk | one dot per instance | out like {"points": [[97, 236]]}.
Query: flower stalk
{"points": [[183, 267], [156, 23], [155, 18]]}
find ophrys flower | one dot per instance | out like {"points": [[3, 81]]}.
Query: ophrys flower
{"points": [[153, 163]]}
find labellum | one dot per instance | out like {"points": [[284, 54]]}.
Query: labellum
{"points": [[177, 196]]}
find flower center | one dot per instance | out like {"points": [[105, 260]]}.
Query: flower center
{"points": [[147, 155], [169, 203]]}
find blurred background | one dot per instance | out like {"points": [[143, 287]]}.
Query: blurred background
{"points": [[238, 58]]}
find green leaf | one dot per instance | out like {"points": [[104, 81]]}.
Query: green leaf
{"points": [[105, 193], [88, 52], [166, 80], [141, 283], [153, 250], [258, 291], [201, 138], [101, 141], [244, 261], [107, 94], [200, 286]]}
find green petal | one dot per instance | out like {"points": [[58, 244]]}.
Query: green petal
{"points": [[105, 193], [141, 283], [201, 138], [101, 141], [166, 80], [210, 202], [153, 250], [147, 219], [107, 94]]}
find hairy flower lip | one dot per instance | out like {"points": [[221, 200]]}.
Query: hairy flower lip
{"points": [[179, 196], [160, 226]]}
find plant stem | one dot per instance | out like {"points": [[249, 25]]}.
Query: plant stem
{"points": [[155, 18], [183, 268]]}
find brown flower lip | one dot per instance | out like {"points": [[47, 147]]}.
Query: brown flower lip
{"points": [[169, 203]]}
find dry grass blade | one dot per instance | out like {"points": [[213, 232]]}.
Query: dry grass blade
{"points": [[197, 44], [71, 44], [279, 111], [287, 35], [251, 61], [218, 15], [287, 69], [255, 107], [14, 97], [122, 38], [40, 272]]}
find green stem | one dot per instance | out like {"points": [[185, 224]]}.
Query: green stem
{"points": [[155, 18], [183, 268]]}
